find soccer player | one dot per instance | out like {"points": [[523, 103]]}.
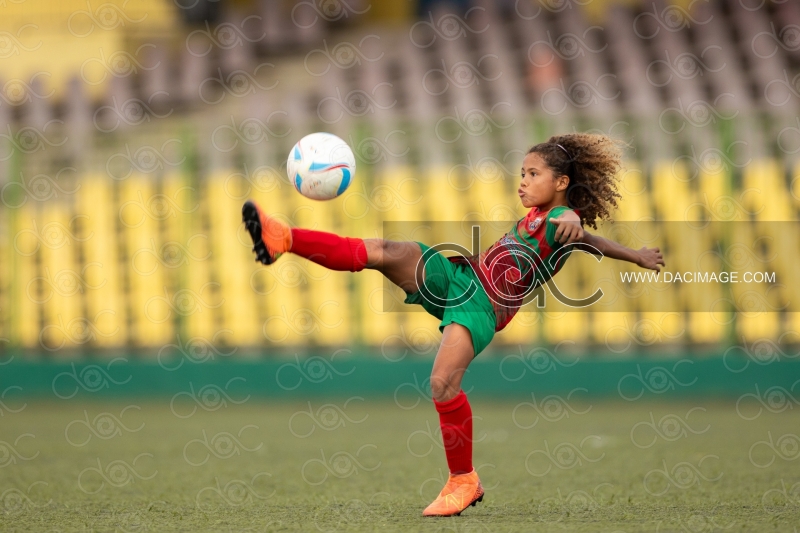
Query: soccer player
{"points": [[568, 182]]}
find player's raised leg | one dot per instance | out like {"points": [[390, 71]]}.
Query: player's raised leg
{"points": [[463, 488], [271, 238]]}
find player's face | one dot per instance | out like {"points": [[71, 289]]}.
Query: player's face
{"points": [[539, 187]]}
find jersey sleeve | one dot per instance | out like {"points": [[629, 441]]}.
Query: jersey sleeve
{"points": [[550, 230]]}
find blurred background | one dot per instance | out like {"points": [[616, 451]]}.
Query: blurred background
{"points": [[131, 132]]}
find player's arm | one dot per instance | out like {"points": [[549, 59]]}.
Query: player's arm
{"points": [[570, 231], [645, 257]]}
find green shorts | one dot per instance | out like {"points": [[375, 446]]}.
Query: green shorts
{"points": [[453, 293]]}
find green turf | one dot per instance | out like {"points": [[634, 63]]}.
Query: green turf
{"points": [[380, 466]]}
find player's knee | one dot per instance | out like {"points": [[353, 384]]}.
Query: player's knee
{"points": [[376, 252], [381, 252], [441, 387]]}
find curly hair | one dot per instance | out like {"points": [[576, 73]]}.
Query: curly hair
{"points": [[592, 163]]}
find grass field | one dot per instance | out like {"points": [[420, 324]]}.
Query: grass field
{"points": [[364, 466]]}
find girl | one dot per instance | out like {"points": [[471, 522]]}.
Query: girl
{"points": [[567, 182]]}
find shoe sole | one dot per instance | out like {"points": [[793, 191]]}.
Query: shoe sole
{"points": [[252, 222], [473, 503]]}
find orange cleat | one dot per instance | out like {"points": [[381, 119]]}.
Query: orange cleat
{"points": [[271, 237], [460, 492]]}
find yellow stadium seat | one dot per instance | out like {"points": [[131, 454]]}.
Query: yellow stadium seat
{"points": [[105, 301], [489, 202], [663, 326], [791, 324], [27, 241], [635, 203], [328, 302], [329, 305], [560, 322], [795, 186], [153, 304], [670, 190], [357, 212], [442, 200], [175, 187], [281, 302], [61, 281], [394, 196], [757, 326], [203, 324], [714, 191], [75, 38], [780, 203], [568, 326], [287, 322], [232, 261], [78, 16], [524, 328], [616, 330], [418, 331], [376, 323], [707, 327], [6, 266], [763, 191]]}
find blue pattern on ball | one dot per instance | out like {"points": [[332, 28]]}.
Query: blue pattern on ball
{"points": [[345, 181]]}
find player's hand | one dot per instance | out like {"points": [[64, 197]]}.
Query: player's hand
{"points": [[650, 258], [567, 230]]}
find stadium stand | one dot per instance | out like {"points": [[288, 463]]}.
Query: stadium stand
{"points": [[123, 174]]}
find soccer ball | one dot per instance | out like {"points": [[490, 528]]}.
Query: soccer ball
{"points": [[321, 166]]}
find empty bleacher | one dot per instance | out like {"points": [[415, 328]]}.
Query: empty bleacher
{"points": [[138, 248]]}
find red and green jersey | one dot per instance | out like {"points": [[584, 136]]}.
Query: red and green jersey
{"points": [[522, 259]]}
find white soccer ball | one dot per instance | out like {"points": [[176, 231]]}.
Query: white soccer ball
{"points": [[321, 166]]}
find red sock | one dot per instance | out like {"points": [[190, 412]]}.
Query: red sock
{"points": [[455, 419], [329, 250]]}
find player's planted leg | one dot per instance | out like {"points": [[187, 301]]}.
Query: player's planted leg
{"points": [[463, 488]]}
